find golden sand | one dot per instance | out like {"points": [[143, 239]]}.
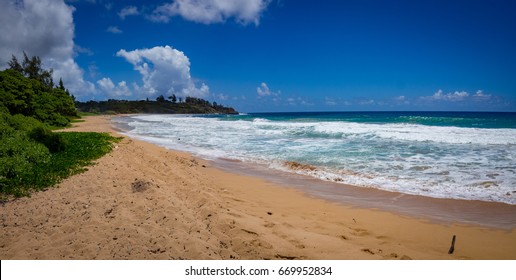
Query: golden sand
{"points": [[142, 201]]}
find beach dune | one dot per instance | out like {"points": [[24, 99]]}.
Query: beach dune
{"points": [[142, 201]]}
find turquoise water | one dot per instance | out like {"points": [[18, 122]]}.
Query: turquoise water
{"points": [[458, 119], [468, 156]]}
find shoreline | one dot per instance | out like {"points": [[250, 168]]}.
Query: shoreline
{"points": [[496, 215], [143, 201], [492, 214]]}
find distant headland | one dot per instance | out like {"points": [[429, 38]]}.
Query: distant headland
{"points": [[190, 105]]}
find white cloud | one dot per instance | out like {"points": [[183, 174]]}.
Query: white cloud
{"points": [[128, 11], [212, 11], [452, 96], [297, 101], [93, 70], [330, 101], [80, 50], [109, 88], [108, 6], [165, 71], [401, 100], [367, 102], [263, 91], [221, 96], [480, 95], [44, 28], [114, 30], [458, 96]]}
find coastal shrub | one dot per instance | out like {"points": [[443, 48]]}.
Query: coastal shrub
{"points": [[32, 157], [18, 157], [53, 141], [5, 127], [32, 97], [23, 123], [27, 165]]}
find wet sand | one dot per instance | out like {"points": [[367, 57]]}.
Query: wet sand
{"points": [[481, 213], [142, 201]]}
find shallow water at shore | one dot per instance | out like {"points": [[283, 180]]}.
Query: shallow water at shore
{"points": [[458, 159]]}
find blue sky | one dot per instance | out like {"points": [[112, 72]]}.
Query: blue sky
{"points": [[288, 55]]}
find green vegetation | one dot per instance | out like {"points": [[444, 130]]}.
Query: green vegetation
{"points": [[191, 105], [38, 158], [32, 157], [28, 90]]}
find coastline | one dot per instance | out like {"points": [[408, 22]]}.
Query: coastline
{"points": [[142, 201], [496, 215]]}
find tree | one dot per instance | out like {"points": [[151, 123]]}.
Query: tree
{"points": [[15, 65], [160, 98], [173, 98], [61, 85], [32, 69], [30, 97]]}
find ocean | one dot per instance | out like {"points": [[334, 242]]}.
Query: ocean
{"points": [[458, 155]]}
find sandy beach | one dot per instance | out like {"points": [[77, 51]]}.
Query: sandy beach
{"points": [[142, 201]]}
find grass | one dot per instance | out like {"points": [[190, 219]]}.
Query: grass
{"points": [[81, 149]]}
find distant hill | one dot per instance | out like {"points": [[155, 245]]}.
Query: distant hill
{"points": [[191, 105]]}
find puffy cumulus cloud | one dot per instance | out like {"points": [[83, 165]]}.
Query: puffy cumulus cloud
{"points": [[114, 91], [263, 91], [44, 28], [212, 11], [72, 76], [165, 71], [128, 11]]}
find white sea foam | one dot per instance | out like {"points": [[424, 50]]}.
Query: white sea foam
{"points": [[445, 162]]}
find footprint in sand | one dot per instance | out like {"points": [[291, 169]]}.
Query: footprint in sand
{"points": [[269, 225], [297, 244], [359, 232]]}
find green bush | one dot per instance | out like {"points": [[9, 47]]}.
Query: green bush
{"points": [[53, 141], [30, 97], [26, 165], [18, 156], [23, 123]]}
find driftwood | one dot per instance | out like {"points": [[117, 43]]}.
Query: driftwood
{"points": [[452, 247]]}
